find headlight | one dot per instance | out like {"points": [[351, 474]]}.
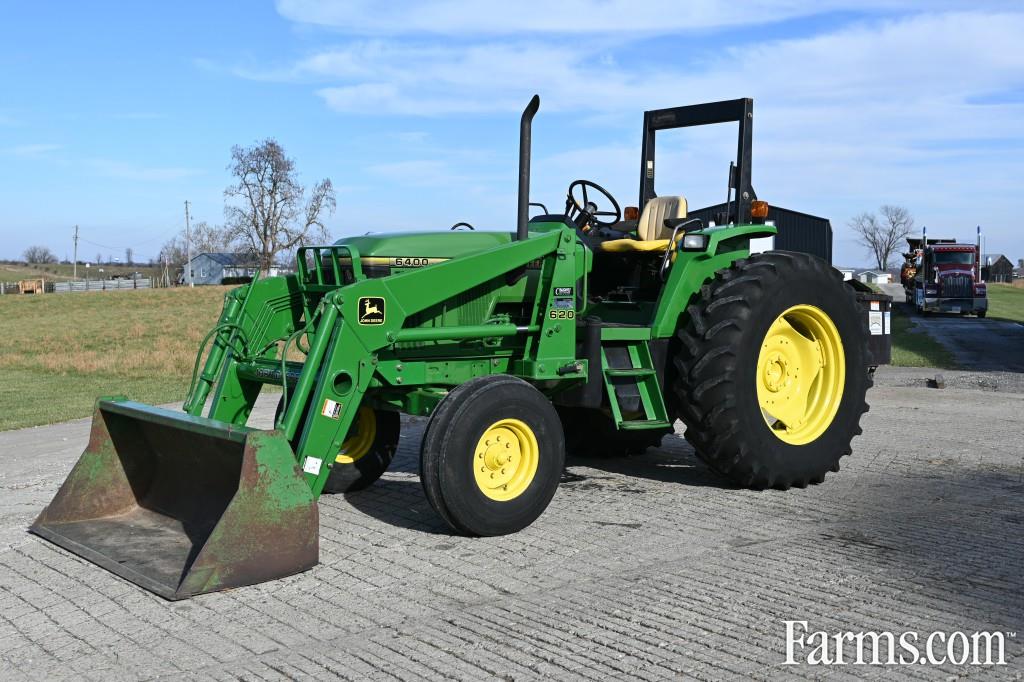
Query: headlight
{"points": [[694, 242]]}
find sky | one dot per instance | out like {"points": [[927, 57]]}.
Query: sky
{"points": [[113, 114]]}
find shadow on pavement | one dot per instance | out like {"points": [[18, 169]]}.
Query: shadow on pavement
{"points": [[673, 462], [399, 503]]}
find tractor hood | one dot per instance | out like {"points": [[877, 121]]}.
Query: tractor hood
{"points": [[416, 245]]}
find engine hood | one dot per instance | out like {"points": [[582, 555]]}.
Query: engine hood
{"points": [[952, 270], [432, 245]]}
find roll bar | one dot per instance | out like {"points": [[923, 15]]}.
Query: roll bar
{"points": [[727, 111]]}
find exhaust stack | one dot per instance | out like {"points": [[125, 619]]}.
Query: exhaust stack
{"points": [[525, 126]]}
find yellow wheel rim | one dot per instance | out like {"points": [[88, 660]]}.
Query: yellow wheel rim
{"points": [[505, 459], [801, 372], [361, 437]]}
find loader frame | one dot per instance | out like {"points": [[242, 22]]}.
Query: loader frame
{"points": [[349, 363]]}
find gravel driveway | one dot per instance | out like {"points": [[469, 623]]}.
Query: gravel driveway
{"points": [[978, 344]]}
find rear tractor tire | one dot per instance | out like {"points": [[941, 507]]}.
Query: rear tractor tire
{"points": [[492, 456], [773, 371]]}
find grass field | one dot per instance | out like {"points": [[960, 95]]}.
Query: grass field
{"points": [[1006, 302], [916, 349], [59, 352], [62, 272]]}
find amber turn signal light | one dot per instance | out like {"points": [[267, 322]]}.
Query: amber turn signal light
{"points": [[759, 209], [631, 213]]}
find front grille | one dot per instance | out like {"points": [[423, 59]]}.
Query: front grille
{"points": [[957, 286]]}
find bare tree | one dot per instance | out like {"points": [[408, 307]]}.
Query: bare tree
{"points": [[128, 256], [882, 234], [268, 212], [206, 238], [38, 255]]}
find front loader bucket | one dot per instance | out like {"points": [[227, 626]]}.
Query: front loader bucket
{"points": [[183, 505]]}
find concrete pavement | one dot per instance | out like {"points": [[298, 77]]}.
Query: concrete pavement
{"points": [[642, 568]]}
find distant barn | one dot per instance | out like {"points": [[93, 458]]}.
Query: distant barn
{"points": [[995, 267], [797, 231]]}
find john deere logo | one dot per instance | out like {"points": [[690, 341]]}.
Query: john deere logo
{"points": [[371, 310]]}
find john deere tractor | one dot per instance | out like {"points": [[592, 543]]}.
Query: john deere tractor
{"points": [[596, 327]]}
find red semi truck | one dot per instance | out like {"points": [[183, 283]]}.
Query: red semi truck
{"points": [[941, 275]]}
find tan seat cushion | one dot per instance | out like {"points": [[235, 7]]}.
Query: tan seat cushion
{"points": [[623, 245], [651, 228]]}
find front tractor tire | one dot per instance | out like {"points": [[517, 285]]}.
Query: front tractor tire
{"points": [[773, 371], [492, 456], [366, 452]]}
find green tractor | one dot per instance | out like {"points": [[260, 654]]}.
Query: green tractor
{"points": [[594, 327]]}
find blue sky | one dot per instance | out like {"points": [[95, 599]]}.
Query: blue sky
{"points": [[113, 114]]}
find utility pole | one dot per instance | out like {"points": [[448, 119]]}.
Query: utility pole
{"points": [[74, 268], [188, 248]]}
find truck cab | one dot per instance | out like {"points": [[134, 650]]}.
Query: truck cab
{"points": [[946, 279]]}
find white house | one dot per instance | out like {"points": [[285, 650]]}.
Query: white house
{"points": [[214, 268], [874, 277], [847, 273]]}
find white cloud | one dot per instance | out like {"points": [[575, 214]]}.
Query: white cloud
{"points": [[130, 171], [922, 109], [426, 172], [891, 65], [139, 116], [32, 150], [475, 18]]}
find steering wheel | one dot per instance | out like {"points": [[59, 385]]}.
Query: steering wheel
{"points": [[584, 212]]}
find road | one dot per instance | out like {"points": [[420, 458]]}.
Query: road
{"points": [[642, 568], [985, 345]]}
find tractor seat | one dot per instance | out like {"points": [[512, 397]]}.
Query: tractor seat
{"points": [[651, 230]]}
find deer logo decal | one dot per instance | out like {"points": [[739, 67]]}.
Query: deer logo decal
{"points": [[371, 310]]}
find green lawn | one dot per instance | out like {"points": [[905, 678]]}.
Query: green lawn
{"points": [[916, 348], [1006, 302], [61, 272], [59, 352]]}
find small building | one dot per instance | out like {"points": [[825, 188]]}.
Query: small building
{"points": [[847, 273], [797, 231], [995, 267], [214, 268], [875, 277]]}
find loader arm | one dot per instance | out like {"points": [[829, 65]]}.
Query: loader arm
{"points": [[344, 348]]}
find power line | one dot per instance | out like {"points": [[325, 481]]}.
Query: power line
{"points": [[188, 247]]}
